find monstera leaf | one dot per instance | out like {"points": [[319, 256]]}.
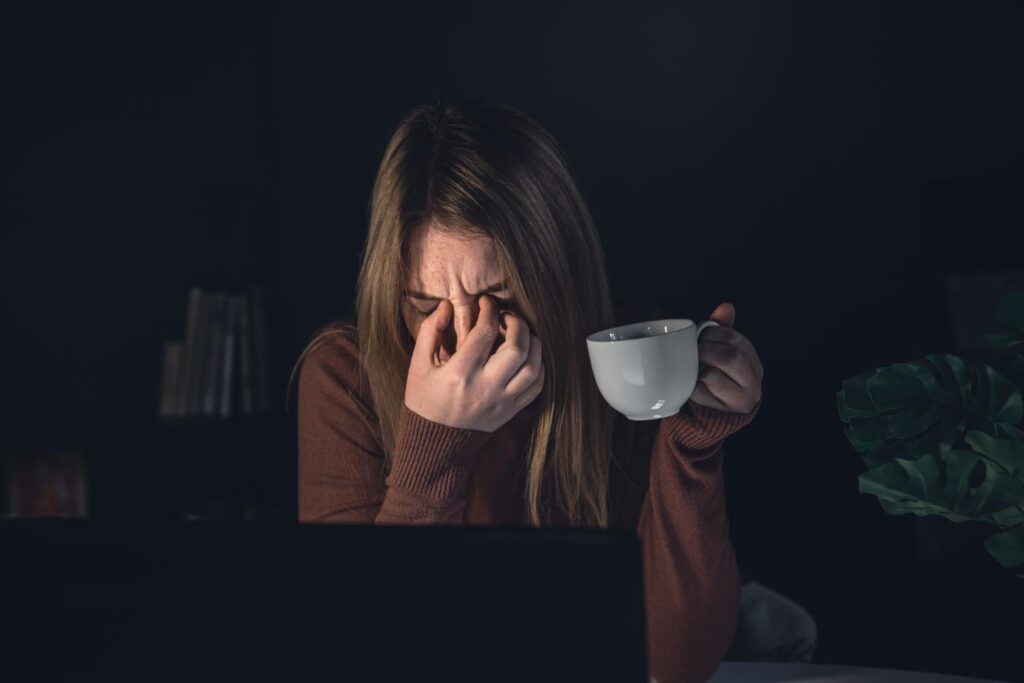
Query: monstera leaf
{"points": [[943, 436], [1004, 340], [1006, 333], [958, 485], [926, 406], [1007, 454], [1007, 547]]}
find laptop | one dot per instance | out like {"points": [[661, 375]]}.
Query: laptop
{"points": [[292, 602]]}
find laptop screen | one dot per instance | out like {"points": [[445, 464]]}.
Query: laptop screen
{"points": [[323, 602]]}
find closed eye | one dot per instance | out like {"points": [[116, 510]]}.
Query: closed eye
{"points": [[505, 304]]}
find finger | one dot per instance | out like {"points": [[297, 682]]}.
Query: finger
{"points": [[428, 337], [512, 352], [729, 335], [475, 350], [528, 371], [731, 360], [532, 392], [702, 396], [730, 394], [724, 314]]}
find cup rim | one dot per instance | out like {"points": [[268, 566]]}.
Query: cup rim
{"points": [[596, 337]]}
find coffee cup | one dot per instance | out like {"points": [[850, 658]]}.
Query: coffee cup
{"points": [[647, 370]]}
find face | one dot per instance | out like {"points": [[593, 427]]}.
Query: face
{"points": [[453, 267]]}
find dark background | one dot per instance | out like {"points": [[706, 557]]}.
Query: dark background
{"points": [[826, 167]]}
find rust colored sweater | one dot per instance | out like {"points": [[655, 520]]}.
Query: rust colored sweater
{"points": [[669, 489]]}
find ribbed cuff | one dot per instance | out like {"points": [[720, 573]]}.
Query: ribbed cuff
{"points": [[699, 428], [432, 459]]}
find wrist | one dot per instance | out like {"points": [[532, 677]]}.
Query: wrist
{"points": [[700, 428], [430, 458]]}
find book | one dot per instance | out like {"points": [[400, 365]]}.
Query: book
{"points": [[228, 367], [170, 379], [197, 387], [245, 356], [188, 367], [214, 356]]}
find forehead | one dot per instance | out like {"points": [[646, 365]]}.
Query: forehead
{"points": [[438, 257]]}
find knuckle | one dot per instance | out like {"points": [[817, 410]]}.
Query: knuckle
{"points": [[457, 381], [488, 329], [519, 352], [530, 373]]}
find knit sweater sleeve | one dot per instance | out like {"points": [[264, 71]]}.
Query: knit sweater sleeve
{"points": [[342, 472], [691, 581]]}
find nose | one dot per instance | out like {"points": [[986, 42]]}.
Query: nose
{"points": [[464, 318]]}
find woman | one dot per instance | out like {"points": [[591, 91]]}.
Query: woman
{"points": [[463, 393]]}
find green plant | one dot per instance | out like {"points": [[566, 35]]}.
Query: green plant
{"points": [[942, 435]]}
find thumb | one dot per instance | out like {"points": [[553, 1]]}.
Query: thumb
{"points": [[724, 314], [429, 334]]}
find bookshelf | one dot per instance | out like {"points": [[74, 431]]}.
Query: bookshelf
{"points": [[97, 390]]}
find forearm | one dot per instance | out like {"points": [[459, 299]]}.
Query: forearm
{"points": [[691, 579], [429, 478], [402, 507]]}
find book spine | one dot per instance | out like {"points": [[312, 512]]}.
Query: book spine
{"points": [[188, 364], [214, 355], [195, 389], [230, 340], [169, 379], [245, 355]]}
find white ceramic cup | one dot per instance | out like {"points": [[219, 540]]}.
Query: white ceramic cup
{"points": [[647, 370]]}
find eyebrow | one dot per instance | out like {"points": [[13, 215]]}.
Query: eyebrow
{"points": [[426, 297]]}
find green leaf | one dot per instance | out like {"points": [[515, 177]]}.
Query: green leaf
{"points": [[940, 438], [893, 508], [1006, 334], [893, 387], [1007, 547], [953, 376], [910, 422], [996, 397], [854, 400], [1008, 517], [867, 434], [928, 403], [942, 485], [886, 454], [1006, 453], [1004, 339]]}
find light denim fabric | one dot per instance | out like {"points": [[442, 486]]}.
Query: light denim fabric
{"points": [[772, 628]]}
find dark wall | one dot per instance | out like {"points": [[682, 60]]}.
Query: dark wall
{"points": [[823, 166]]}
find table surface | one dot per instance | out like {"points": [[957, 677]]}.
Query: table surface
{"points": [[772, 672]]}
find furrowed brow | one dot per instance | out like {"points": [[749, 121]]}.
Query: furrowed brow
{"points": [[426, 297]]}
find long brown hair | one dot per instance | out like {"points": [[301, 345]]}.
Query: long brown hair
{"points": [[485, 169]]}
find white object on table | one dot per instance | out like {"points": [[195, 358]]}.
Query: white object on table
{"points": [[784, 672]]}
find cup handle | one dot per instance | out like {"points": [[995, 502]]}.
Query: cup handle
{"points": [[702, 326]]}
